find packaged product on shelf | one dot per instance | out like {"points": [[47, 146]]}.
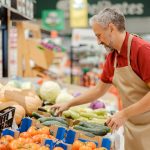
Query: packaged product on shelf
{"points": [[3, 2], [8, 3]]}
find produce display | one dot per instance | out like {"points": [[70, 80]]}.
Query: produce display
{"points": [[35, 101], [24, 99], [93, 128], [96, 116]]}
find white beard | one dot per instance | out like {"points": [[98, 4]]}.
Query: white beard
{"points": [[108, 49]]}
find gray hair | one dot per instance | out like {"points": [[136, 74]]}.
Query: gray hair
{"points": [[109, 15]]}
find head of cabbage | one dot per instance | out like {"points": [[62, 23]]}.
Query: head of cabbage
{"points": [[49, 91], [64, 97]]}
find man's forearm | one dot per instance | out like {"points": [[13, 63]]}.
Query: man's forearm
{"points": [[140, 107], [91, 94]]}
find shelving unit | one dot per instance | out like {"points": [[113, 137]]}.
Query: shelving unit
{"points": [[7, 12], [86, 57]]}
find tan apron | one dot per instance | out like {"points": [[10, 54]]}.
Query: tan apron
{"points": [[131, 89]]}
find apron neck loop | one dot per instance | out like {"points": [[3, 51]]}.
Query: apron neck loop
{"points": [[128, 51], [129, 48], [115, 61]]}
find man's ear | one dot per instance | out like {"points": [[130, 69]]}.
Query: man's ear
{"points": [[111, 27]]}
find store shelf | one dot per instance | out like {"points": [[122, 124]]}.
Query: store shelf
{"points": [[15, 14], [8, 12]]}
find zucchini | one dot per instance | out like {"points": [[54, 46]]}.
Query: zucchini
{"points": [[59, 119], [89, 134], [36, 115], [47, 109], [44, 119], [101, 112], [42, 109], [90, 125], [66, 114], [53, 122], [88, 115], [96, 131], [74, 115], [47, 103]]}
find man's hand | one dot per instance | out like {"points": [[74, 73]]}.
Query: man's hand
{"points": [[59, 108], [116, 121]]}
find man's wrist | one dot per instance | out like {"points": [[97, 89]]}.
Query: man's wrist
{"points": [[125, 113]]}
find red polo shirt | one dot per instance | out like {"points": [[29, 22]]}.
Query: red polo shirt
{"points": [[139, 58]]}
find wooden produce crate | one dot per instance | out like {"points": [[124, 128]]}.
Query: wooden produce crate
{"points": [[42, 56]]}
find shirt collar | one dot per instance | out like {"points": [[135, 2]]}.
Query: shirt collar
{"points": [[124, 45]]}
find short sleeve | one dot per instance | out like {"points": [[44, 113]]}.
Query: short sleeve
{"points": [[143, 61]]}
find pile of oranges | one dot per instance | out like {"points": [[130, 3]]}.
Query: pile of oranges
{"points": [[78, 145], [30, 140], [33, 139]]}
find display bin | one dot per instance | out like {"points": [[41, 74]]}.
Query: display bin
{"points": [[64, 137], [42, 56], [6, 117]]}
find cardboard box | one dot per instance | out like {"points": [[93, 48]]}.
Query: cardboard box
{"points": [[41, 56]]}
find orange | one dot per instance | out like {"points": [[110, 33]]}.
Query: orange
{"points": [[91, 144]]}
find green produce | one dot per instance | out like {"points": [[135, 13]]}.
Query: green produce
{"points": [[90, 125], [53, 122], [59, 119], [43, 119], [83, 118], [88, 115], [71, 114], [64, 97], [74, 115], [66, 114], [49, 91], [48, 110], [36, 115], [80, 109], [89, 134], [98, 121], [103, 130], [101, 111], [98, 116]]}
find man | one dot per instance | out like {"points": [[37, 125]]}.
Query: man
{"points": [[127, 67]]}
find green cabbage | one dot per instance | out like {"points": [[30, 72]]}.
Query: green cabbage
{"points": [[49, 91], [64, 97]]}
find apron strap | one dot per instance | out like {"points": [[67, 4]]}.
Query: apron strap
{"points": [[115, 61], [129, 48], [128, 51]]}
